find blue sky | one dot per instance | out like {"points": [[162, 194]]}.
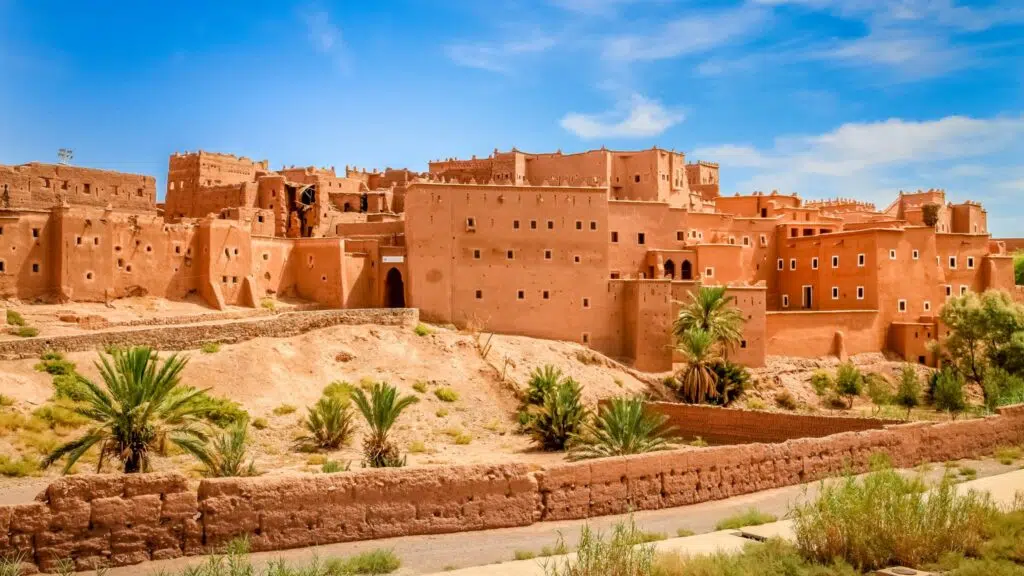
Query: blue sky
{"points": [[826, 98]]}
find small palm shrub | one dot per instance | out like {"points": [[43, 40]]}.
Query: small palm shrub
{"points": [[228, 453], [560, 417], [948, 393], [381, 409], [849, 381], [731, 381], [328, 425], [542, 381], [908, 393], [622, 427]]}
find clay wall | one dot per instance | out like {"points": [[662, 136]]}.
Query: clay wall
{"points": [[812, 334], [1012, 244], [207, 200], [190, 173], [959, 257], [910, 340], [273, 267], [319, 269], [639, 176], [357, 229], [28, 250], [120, 520], [45, 186], [968, 218], [587, 168]]}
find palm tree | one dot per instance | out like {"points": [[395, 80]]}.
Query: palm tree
{"points": [[560, 416], [328, 424], [228, 453], [140, 408], [381, 410], [710, 309], [622, 427], [698, 379]]}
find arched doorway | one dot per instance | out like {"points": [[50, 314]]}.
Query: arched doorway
{"points": [[670, 269], [686, 271], [394, 289]]}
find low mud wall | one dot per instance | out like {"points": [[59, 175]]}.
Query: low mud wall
{"points": [[191, 336], [734, 426], [118, 520]]}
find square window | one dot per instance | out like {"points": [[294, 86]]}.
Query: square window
{"points": [[732, 240], [963, 289], [927, 306], [835, 292], [640, 238], [970, 262], [515, 224], [545, 295], [593, 225], [586, 302], [479, 294], [743, 343], [224, 279], [576, 259], [521, 295], [781, 264], [902, 305], [533, 224], [892, 254], [915, 254], [709, 272], [785, 300], [470, 222], [511, 254], [861, 259], [579, 224], [792, 263], [746, 240], [860, 292], [835, 261], [35, 266], [476, 254], [615, 237], [551, 224], [814, 263], [679, 235], [952, 262], [547, 254]]}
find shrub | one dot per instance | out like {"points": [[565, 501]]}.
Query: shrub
{"points": [[755, 404], [228, 452], [749, 517], [17, 468], [622, 427], [6, 401], [1002, 388], [328, 425], [284, 410], [417, 447], [849, 381], [69, 386], [446, 394], [215, 409], [333, 467], [888, 520], [930, 214], [542, 381], [260, 423], [422, 330], [372, 562], [878, 388], [699, 442], [441, 412], [54, 364], [621, 555], [420, 386], [785, 400], [908, 394], [948, 394], [26, 332], [381, 409], [684, 532], [523, 555], [773, 558], [60, 414], [822, 382], [1007, 454], [560, 417], [732, 380], [14, 318], [210, 348], [339, 389], [463, 438], [268, 304]]}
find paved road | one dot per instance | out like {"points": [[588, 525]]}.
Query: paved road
{"points": [[435, 553]]}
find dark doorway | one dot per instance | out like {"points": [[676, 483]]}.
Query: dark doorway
{"points": [[394, 289], [670, 269], [808, 293], [686, 271]]}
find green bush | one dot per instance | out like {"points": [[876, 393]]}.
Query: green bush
{"points": [[228, 452], [749, 517], [542, 380], [446, 394], [1002, 388], [14, 318], [54, 364], [6, 401], [284, 410], [622, 427], [17, 468], [948, 394], [878, 388], [333, 467], [773, 558], [60, 414], [849, 381], [822, 382], [785, 400], [210, 348], [732, 379], [339, 389], [260, 423], [381, 410], [1018, 267], [27, 332], [328, 425], [372, 562], [560, 417], [420, 386], [422, 330], [908, 394], [217, 410]]}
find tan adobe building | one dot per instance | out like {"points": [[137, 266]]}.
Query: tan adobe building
{"points": [[597, 247]]}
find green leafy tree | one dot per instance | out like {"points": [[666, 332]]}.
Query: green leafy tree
{"points": [[711, 310], [879, 390], [908, 393], [1018, 267], [328, 424], [560, 417], [930, 214], [849, 381], [140, 408], [622, 427], [228, 454], [983, 330], [949, 392], [697, 380], [381, 409], [1002, 388]]}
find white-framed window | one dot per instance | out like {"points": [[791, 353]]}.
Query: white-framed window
{"points": [[901, 305], [861, 259], [963, 289], [814, 263], [952, 262], [792, 263], [470, 223], [746, 240], [892, 254], [970, 262], [785, 300], [510, 254], [476, 254], [709, 272], [835, 261], [782, 264], [915, 254], [764, 240], [547, 254], [835, 292], [949, 290], [927, 306], [860, 292]]}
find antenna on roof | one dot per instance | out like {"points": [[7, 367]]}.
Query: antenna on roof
{"points": [[64, 156]]}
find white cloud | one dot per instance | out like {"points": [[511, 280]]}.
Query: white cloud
{"points": [[593, 7], [325, 36], [691, 34], [945, 13], [914, 56], [637, 118], [496, 57]]}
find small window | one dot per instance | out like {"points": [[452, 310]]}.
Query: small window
{"points": [[259, 218], [732, 240], [952, 262], [521, 295], [781, 264], [266, 256], [479, 294], [3, 266], [915, 254], [902, 305], [970, 262], [515, 224], [963, 289], [746, 240], [615, 237], [586, 338], [743, 343], [35, 267], [88, 275], [641, 239], [545, 295], [892, 254], [87, 188], [764, 240], [593, 224], [510, 254], [615, 275], [861, 259], [551, 224], [792, 263], [78, 240], [927, 306], [860, 292], [1, 230], [709, 272], [835, 261], [224, 279], [579, 224], [949, 290], [576, 259], [586, 302], [835, 292], [533, 224], [785, 300], [95, 240], [35, 232], [636, 178], [476, 254], [814, 263], [547, 254], [679, 236]]}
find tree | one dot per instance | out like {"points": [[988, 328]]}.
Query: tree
{"points": [[228, 453], [949, 392], [849, 381], [711, 310], [381, 409], [698, 380], [622, 427], [984, 330], [908, 394], [140, 408], [1018, 267], [328, 424], [879, 391], [560, 417], [930, 214]]}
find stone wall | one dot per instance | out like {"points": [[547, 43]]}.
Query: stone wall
{"points": [[192, 336], [733, 426], [120, 520]]}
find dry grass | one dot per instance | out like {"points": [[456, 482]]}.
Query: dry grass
{"points": [[749, 517]]}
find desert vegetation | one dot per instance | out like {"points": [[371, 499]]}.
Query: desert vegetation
{"points": [[706, 328]]}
